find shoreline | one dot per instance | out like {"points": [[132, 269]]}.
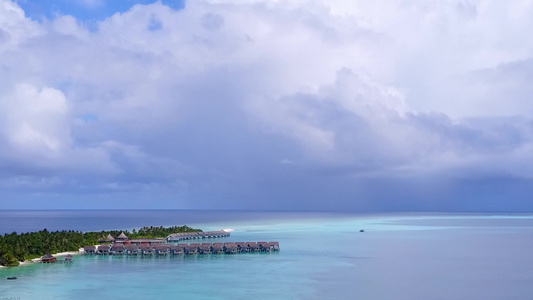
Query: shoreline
{"points": [[30, 262]]}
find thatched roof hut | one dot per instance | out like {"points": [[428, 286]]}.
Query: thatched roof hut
{"points": [[89, 249], [48, 258], [104, 248], [117, 247], [106, 239], [122, 236]]}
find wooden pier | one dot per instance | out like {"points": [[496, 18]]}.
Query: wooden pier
{"points": [[49, 258], [176, 237], [182, 248]]}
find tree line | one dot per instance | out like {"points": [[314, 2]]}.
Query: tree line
{"points": [[15, 247]]}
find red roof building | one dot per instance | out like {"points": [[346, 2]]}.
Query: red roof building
{"points": [[48, 258]]}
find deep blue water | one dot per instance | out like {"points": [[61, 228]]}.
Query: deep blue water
{"points": [[323, 256], [96, 220]]}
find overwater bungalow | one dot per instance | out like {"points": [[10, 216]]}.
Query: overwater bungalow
{"points": [[275, 246], [196, 235], [68, 258], [89, 249], [190, 250], [242, 247], [217, 234], [265, 246], [253, 247], [221, 245], [161, 249], [132, 249], [176, 250], [178, 236], [117, 249], [175, 237], [104, 249], [183, 248], [48, 258], [217, 249], [187, 236], [204, 249], [259, 243], [147, 241], [146, 249], [230, 248]]}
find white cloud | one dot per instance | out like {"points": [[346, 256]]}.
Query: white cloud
{"points": [[36, 130], [219, 93], [35, 121]]}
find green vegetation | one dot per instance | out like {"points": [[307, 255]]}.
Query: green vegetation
{"points": [[9, 260], [155, 232], [19, 247]]}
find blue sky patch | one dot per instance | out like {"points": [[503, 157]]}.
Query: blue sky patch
{"points": [[87, 11], [88, 117]]}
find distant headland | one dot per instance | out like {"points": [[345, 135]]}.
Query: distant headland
{"points": [[16, 249]]}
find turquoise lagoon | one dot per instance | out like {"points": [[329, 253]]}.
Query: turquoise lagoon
{"points": [[323, 256]]}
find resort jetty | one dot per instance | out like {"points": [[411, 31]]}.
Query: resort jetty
{"points": [[122, 245], [154, 247], [49, 258], [176, 237]]}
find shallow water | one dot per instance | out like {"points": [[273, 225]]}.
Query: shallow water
{"points": [[323, 256]]}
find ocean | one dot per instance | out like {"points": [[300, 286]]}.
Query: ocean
{"points": [[323, 256]]}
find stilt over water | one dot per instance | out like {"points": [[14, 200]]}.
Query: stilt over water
{"points": [[122, 245], [176, 237], [181, 248]]}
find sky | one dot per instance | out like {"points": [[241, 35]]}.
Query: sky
{"points": [[337, 105]]}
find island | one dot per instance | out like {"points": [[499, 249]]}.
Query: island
{"points": [[147, 241], [16, 248]]}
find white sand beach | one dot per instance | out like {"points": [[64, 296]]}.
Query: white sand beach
{"points": [[60, 254]]}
